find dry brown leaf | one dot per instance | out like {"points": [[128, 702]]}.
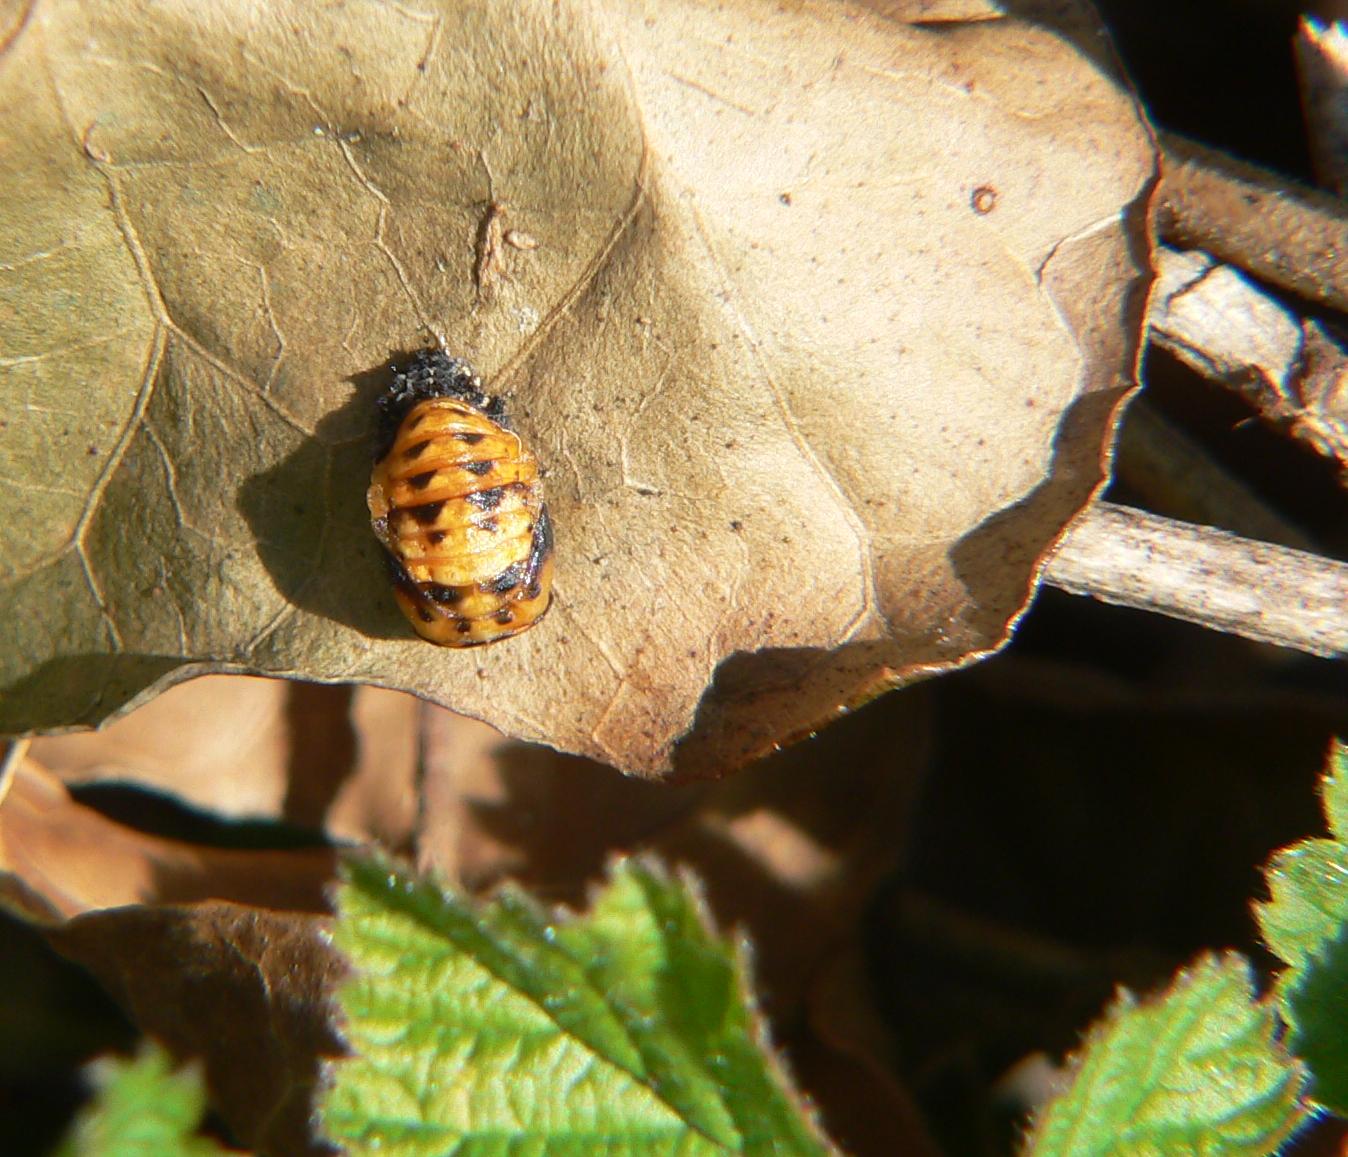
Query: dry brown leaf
{"points": [[791, 849], [59, 858], [495, 809], [219, 743], [217, 952], [338, 758], [821, 340], [245, 989]]}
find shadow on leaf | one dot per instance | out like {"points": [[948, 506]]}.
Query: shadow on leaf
{"points": [[312, 527], [103, 684]]}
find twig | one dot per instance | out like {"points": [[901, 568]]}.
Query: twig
{"points": [[1283, 233], [1321, 52], [1272, 594], [1226, 328], [1166, 469], [979, 945]]}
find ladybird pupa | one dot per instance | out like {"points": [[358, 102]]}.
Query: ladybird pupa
{"points": [[456, 500]]}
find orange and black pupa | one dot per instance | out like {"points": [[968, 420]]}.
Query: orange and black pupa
{"points": [[456, 500]]}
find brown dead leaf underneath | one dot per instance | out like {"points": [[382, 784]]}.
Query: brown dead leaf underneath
{"points": [[61, 859], [241, 978], [790, 849], [245, 989], [218, 742], [844, 1055], [332, 757]]}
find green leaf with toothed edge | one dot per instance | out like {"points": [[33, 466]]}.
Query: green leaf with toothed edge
{"points": [[142, 1107], [487, 1029], [1308, 882], [1306, 923], [1195, 1071], [1316, 1005]]}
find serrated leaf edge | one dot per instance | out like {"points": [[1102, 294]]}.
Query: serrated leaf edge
{"points": [[375, 863], [1126, 1002]]}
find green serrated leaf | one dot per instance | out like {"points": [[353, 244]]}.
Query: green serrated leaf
{"points": [[1195, 1071], [494, 1029], [1318, 1007], [142, 1108], [1334, 790], [1306, 923], [1308, 882]]}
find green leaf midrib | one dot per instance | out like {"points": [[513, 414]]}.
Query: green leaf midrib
{"points": [[758, 1105], [426, 1129], [362, 873]]}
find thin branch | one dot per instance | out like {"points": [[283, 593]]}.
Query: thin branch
{"points": [[1272, 594], [1283, 233], [1225, 327], [1167, 469], [1321, 52]]}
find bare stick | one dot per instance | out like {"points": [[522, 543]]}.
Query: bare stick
{"points": [[1169, 470], [1269, 593], [1226, 328], [1321, 52], [1283, 233]]}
